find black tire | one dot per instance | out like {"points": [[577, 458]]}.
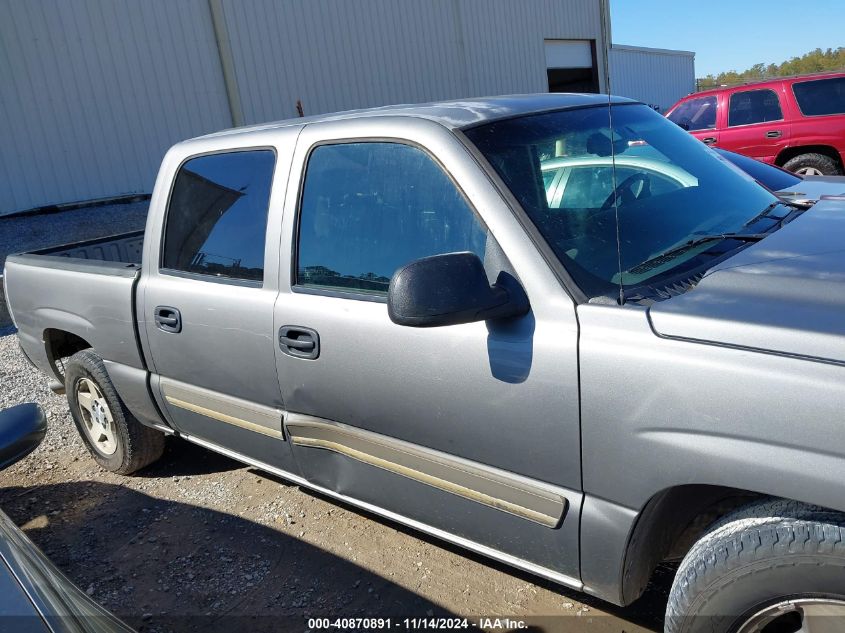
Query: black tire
{"points": [[759, 556], [135, 445], [820, 162]]}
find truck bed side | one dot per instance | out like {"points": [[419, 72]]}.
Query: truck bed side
{"points": [[83, 293], [124, 248]]}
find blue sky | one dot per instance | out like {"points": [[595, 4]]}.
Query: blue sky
{"points": [[730, 34]]}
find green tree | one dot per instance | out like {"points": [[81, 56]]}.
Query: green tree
{"points": [[815, 61]]}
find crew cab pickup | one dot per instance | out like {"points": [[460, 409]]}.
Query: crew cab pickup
{"points": [[797, 123], [577, 348]]}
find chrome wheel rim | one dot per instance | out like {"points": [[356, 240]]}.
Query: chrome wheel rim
{"points": [[805, 615], [97, 420], [809, 171]]}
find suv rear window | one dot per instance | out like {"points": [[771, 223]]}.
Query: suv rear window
{"points": [[820, 97], [754, 106], [217, 217], [695, 114]]}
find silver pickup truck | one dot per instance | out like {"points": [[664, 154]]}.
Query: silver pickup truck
{"points": [[555, 330]]}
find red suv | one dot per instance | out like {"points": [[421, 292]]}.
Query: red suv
{"points": [[797, 122]]}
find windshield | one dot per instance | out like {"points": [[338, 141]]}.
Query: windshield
{"points": [[573, 178]]}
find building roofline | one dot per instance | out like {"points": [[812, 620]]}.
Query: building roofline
{"points": [[658, 51]]}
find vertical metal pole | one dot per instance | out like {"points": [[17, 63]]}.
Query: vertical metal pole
{"points": [[604, 6], [227, 61], [604, 13]]}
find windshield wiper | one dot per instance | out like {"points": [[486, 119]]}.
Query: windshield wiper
{"points": [[765, 211], [666, 256], [779, 202], [745, 237], [794, 199]]}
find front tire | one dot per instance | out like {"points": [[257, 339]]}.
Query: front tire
{"points": [[117, 441], [772, 567], [813, 164]]}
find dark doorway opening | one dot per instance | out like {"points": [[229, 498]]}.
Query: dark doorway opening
{"points": [[572, 80]]}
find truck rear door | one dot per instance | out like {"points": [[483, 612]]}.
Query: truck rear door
{"points": [[208, 294]]}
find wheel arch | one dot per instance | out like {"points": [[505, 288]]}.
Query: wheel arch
{"points": [[667, 526], [671, 522], [789, 153], [60, 344]]}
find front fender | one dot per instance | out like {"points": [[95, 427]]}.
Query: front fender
{"points": [[660, 413]]}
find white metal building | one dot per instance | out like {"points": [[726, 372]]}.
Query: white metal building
{"points": [[655, 76], [93, 92]]}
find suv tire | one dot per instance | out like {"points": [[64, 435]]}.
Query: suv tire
{"points": [[117, 441], [776, 560], [813, 164]]}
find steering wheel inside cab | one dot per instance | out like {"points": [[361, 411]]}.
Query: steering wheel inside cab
{"points": [[634, 187]]}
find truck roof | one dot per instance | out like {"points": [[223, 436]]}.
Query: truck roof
{"points": [[456, 114]]}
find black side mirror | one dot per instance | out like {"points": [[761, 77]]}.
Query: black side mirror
{"points": [[21, 430], [451, 289]]}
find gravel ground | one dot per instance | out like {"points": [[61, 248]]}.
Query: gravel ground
{"points": [[199, 542]]}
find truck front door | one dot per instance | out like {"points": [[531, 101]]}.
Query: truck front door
{"points": [[470, 429]]}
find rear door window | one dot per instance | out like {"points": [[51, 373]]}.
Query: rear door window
{"points": [[217, 216], [754, 106], [695, 114], [820, 97], [369, 208]]}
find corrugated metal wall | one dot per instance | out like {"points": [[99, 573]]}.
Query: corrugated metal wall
{"points": [[92, 92], [654, 76], [340, 55]]}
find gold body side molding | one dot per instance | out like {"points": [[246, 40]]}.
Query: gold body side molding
{"points": [[241, 413], [492, 487]]}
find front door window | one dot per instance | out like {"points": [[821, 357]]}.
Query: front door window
{"points": [[368, 209]]}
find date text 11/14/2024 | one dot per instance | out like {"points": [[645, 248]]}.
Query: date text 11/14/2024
{"points": [[426, 623]]}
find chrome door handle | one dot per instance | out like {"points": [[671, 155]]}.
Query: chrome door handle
{"points": [[774, 134], [709, 140]]}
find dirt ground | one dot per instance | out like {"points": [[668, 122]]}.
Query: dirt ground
{"points": [[198, 542]]}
